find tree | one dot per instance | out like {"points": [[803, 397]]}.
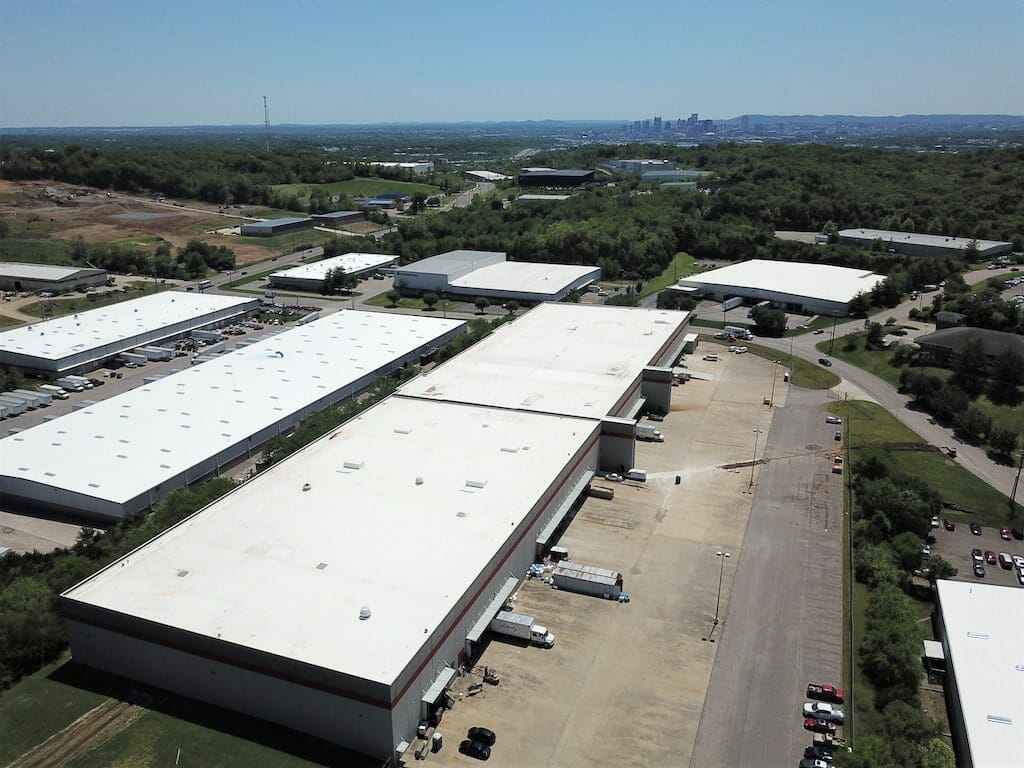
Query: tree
{"points": [[573, 296], [1003, 441], [874, 337], [394, 296], [419, 203], [939, 568], [512, 307], [769, 322], [430, 299], [482, 304], [972, 253]]}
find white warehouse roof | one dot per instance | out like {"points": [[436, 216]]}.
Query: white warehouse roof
{"points": [[931, 241], [64, 336], [515, 277], [452, 261], [121, 448], [569, 359], [406, 507], [350, 262], [817, 281], [24, 271], [983, 625]]}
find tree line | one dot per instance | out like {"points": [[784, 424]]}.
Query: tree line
{"points": [[192, 260]]}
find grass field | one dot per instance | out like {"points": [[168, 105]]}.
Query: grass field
{"points": [[382, 300], [871, 430], [35, 250], [293, 241], [804, 374], [8, 322], [59, 307], [37, 707], [365, 187], [683, 265]]}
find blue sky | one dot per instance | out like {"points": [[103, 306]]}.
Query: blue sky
{"points": [[100, 62]]}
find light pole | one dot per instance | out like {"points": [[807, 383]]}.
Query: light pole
{"points": [[721, 570], [775, 370], [754, 461], [1016, 481], [832, 340]]}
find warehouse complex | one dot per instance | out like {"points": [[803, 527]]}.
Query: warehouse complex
{"points": [[276, 227], [455, 487], [83, 342], [16, 276], [914, 244], [116, 457], [310, 277], [489, 274], [815, 289], [980, 630]]}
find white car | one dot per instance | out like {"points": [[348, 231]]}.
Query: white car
{"points": [[935, 521], [613, 477], [1018, 561], [741, 350], [830, 419], [824, 711]]}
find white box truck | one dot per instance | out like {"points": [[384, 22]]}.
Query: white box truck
{"points": [[81, 380], [637, 474], [647, 432], [69, 384], [14, 405], [521, 627], [30, 402], [54, 390], [41, 398]]}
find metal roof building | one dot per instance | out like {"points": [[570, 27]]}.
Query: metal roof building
{"points": [[18, 276], [810, 288], [310, 277], [922, 245], [83, 341], [538, 177], [980, 629], [118, 456], [407, 529], [276, 227]]}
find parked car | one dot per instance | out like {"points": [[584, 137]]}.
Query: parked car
{"points": [[819, 726], [1018, 561], [1020, 576], [830, 419], [476, 749], [1005, 561], [949, 525], [819, 331], [825, 361], [809, 762], [1004, 533], [935, 521], [977, 555], [838, 436], [481, 734], [979, 570], [976, 529], [824, 711], [817, 752], [825, 692], [990, 557], [1017, 533], [613, 477]]}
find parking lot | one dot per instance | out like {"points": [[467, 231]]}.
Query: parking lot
{"points": [[625, 683], [955, 547]]}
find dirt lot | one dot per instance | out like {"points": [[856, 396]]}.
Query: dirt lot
{"points": [[625, 683], [96, 217], [955, 547]]}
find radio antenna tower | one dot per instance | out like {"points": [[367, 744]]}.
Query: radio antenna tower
{"points": [[266, 121]]}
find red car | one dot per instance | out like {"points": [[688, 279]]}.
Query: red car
{"points": [[949, 525], [825, 692], [1004, 533], [990, 557], [819, 726]]}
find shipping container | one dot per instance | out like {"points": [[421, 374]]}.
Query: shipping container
{"points": [[587, 580], [42, 398]]}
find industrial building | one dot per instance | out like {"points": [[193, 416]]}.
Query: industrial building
{"points": [[979, 626], [407, 530], [914, 244], [939, 346], [542, 198], [489, 274], [120, 455], [418, 167], [83, 342], [814, 289], [338, 218], [487, 176], [16, 276], [532, 177], [276, 227], [310, 277]]}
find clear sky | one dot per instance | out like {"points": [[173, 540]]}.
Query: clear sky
{"points": [[185, 62]]}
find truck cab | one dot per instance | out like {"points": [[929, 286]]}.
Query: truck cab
{"points": [[539, 635]]}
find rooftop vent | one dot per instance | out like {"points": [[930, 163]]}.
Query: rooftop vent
{"points": [[306, 486], [321, 566], [476, 483], [353, 464], [402, 431], [1002, 720], [419, 481], [364, 613], [978, 635], [182, 573]]}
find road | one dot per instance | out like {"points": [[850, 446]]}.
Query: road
{"points": [[463, 199], [783, 626]]}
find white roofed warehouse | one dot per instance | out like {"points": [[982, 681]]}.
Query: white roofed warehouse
{"points": [[310, 277], [914, 244], [118, 456], [83, 342], [407, 530], [490, 275], [816, 289], [17, 276]]}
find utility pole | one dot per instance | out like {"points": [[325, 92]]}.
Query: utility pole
{"points": [[1016, 480], [832, 340], [754, 462], [266, 122]]}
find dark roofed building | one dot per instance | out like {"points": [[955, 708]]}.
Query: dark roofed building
{"points": [[275, 227], [941, 345], [947, 319], [552, 178]]}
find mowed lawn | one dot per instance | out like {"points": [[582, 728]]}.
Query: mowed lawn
{"points": [[365, 187], [804, 374]]}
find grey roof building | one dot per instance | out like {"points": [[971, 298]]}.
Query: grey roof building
{"points": [[941, 344], [18, 276]]}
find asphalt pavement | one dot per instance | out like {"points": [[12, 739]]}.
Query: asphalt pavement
{"points": [[783, 626]]}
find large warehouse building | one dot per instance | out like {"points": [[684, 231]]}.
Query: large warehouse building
{"points": [[814, 289], [83, 342], [548, 177], [310, 277], [116, 457], [980, 629], [276, 227], [15, 276], [914, 244], [489, 274], [407, 530]]}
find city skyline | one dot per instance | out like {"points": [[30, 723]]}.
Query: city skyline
{"points": [[144, 64]]}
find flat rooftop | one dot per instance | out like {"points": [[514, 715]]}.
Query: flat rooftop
{"points": [[445, 263], [63, 336], [285, 570], [817, 281], [571, 359], [120, 448], [15, 269], [277, 222], [913, 238], [350, 262], [983, 628], [522, 277]]}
